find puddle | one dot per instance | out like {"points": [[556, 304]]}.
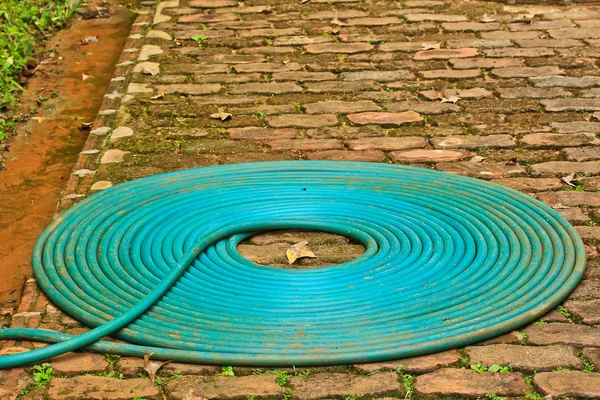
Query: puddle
{"points": [[41, 157]]}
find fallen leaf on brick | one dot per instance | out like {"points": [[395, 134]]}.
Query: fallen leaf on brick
{"points": [[89, 39], [303, 1], [191, 396], [223, 116], [152, 367], [524, 18], [451, 99], [559, 206], [431, 46], [512, 161], [337, 21], [477, 159], [299, 250], [336, 29], [158, 96], [86, 126], [85, 77], [486, 18], [569, 179]]}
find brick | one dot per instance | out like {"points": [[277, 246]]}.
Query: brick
{"points": [[589, 234], [540, 25], [259, 133], [429, 155], [558, 333], [224, 387], [387, 143], [132, 366], [526, 72], [593, 355], [478, 43], [76, 363], [566, 81], [374, 21], [345, 48], [575, 216], [101, 388], [240, 25], [306, 145], [569, 383], [218, 146], [570, 198], [212, 3], [577, 126], [531, 184], [268, 32], [533, 93], [496, 35], [320, 386], [575, 33], [571, 104], [302, 121], [384, 118], [401, 46], [562, 168], [189, 89], [414, 364], [299, 40], [226, 78], [339, 87], [266, 88], [445, 54], [345, 155], [525, 357], [463, 382], [207, 18], [475, 93], [379, 76], [559, 139], [422, 107], [450, 74], [471, 26], [481, 170], [267, 67], [473, 142], [587, 289], [517, 52], [435, 18], [209, 34], [588, 310], [550, 43], [487, 63], [582, 153], [186, 68], [304, 76], [341, 107]]}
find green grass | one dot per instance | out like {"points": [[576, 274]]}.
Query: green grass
{"points": [[24, 24]]}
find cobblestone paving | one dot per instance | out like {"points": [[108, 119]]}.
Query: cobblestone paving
{"points": [[507, 93]]}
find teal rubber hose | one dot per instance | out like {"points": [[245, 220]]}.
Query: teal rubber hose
{"points": [[450, 261]]}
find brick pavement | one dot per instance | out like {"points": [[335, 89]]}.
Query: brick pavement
{"points": [[508, 93]]}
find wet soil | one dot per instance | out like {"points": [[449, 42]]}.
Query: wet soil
{"points": [[66, 91]]}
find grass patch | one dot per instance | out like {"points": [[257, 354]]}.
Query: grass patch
{"points": [[24, 24]]}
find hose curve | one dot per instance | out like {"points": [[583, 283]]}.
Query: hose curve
{"points": [[450, 261]]}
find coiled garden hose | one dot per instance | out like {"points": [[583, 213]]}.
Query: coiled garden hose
{"points": [[450, 261]]}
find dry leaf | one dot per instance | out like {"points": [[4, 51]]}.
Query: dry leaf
{"points": [[191, 396], [286, 62], [89, 39], [152, 367], [149, 71], [38, 119], [223, 116], [86, 125], [336, 29], [299, 250], [477, 159], [569, 179], [303, 1], [559, 206], [431, 46], [451, 99], [512, 161], [158, 96], [84, 76], [524, 18], [486, 18], [440, 93]]}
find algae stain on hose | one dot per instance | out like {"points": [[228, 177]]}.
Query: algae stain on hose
{"points": [[42, 154]]}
